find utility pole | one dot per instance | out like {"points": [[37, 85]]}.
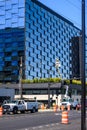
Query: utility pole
{"points": [[83, 111], [20, 78], [49, 87]]}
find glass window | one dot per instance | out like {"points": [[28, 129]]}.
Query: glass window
{"points": [[36, 92], [21, 3], [14, 44], [2, 63], [2, 3], [8, 4], [21, 22], [8, 14], [15, 72], [15, 9], [8, 23], [21, 12], [14, 1], [14, 63], [14, 53], [2, 12], [2, 20], [14, 19]]}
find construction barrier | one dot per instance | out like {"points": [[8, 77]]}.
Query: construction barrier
{"points": [[1, 111], [65, 117]]}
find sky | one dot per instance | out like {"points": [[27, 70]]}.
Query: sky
{"points": [[70, 9]]}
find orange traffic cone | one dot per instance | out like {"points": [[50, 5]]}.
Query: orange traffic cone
{"points": [[55, 108], [1, 111], [65, 117], [62, 108], [68, 107], [42, 106]]}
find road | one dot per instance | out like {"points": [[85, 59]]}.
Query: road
{"points": [[34, 120]]}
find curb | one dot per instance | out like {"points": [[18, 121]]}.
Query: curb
{"points": [[45, 110]]}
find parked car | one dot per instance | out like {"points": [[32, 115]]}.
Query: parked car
{"points": [[79, 105], [76, 104]]}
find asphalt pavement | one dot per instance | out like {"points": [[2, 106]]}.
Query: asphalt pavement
{"points": [[74, 124], [70, 125]]}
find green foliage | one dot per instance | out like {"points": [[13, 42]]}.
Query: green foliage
{"points": [[42, 80], [35, 80], [26, 81], [67, 81], [46, 80], [78, 82]]}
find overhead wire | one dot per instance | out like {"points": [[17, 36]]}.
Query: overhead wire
{"points": [[73, 4]]}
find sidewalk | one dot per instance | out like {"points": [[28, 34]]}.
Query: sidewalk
{"points": [[45, 110]]}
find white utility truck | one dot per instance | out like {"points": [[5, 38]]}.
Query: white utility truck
{"points": [[67, 101], [22, 106]]}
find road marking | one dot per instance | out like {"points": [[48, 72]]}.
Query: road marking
{"points": [[40, 127], [57, 114]]}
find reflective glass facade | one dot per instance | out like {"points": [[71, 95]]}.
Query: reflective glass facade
{"points": [[11, 49], [48, 37], [12, 13], [38, 34]]}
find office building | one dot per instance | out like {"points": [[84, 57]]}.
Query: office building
{"points": [[36, 34]]}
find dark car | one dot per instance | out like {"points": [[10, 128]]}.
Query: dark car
{"points": [[79, 105]]}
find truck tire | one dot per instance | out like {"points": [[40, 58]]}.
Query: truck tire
{"points": [[33, 110], [23, 112], [36, 110], [15, 110]]}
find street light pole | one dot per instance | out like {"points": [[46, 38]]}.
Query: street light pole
{"points": [[58, 65], [83, 111], [20, 78], [49, 88]]}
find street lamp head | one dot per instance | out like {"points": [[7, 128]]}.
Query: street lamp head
{"points": [[57, 64]]}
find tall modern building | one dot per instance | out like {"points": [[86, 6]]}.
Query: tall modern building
{"points": [[33, 35]]}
